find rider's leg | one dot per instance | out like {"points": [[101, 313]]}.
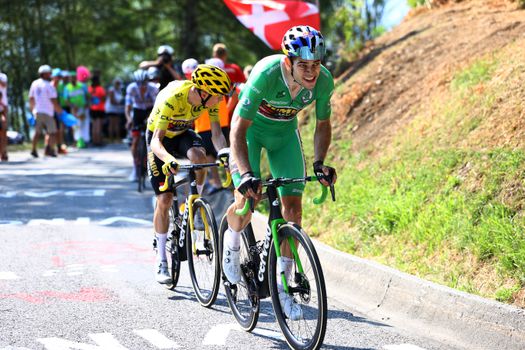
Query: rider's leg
{"points": [[197, 155], [161, 221]]}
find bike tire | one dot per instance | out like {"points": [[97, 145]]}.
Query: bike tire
{"points": [[245, 308], [172, 252], [203, 261], [307, 332], [142, 154]]}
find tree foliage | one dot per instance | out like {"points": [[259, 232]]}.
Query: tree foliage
{"points": [[114, 36]]}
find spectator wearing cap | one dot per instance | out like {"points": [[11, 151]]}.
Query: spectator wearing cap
{"points": [[43, 103], [4, 109], [234, 71], [115, 109], [165, 64], [56, 76]]}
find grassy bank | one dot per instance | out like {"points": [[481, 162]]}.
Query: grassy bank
{"points": [[445, 201]]}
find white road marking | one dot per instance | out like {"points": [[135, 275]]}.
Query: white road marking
{"points": [[54, 222], [156, 338], [8, 194], [41, 194], [112, 220], [8, 275], [105, 341], [219, 334], [10, 223], [402, 347], [83, 221], [50, 273]]}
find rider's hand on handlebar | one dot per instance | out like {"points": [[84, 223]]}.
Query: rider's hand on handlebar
{"points": [[250, 186], [223, 156], [326, 175], [170, 166]]}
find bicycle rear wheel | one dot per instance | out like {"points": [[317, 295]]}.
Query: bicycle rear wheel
{"points": [[242, 297], [202, 252], [142, 154], [307, 288], [172, 251]]}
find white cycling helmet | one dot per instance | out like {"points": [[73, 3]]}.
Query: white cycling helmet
{"points": [[165, 50], [189, 65], [217, 62], [153, 73], [44, 69], [3, 78]]}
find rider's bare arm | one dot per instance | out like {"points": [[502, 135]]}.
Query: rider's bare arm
{"points": [[239, 148], [322, 139], [217, 137], [157, 147]]}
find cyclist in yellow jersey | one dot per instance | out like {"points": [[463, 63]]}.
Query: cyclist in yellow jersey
{"points": [[169, 136]]}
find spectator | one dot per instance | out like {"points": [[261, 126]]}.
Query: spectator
{"points": [[3, 117], [97, 110], [188, 66], [234, 98], [76, 94], [154, 76], [234, 71], [56, 76], [165, 64], [43, 103], [115, 109]]}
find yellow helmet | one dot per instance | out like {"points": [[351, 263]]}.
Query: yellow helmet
{"points": [[211, 79]]}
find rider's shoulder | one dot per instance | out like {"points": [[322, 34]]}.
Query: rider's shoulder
{"points": [[326, 80], [268, 65]]}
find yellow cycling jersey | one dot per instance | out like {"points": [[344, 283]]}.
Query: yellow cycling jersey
{"points": [[172, 111]]}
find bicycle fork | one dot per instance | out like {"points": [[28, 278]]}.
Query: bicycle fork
{"points": [[275, 220]]}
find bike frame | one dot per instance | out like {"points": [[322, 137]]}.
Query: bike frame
{"points": [[275, 220]]}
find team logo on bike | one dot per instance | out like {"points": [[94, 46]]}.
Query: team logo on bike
{"points": [[264, 254]]}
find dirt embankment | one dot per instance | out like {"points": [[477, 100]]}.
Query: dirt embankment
{"points": [[405, 69]]}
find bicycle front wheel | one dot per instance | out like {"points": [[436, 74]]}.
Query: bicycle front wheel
{"points": [[242, 297], [172, 252], [306, 329], [203, 253]]}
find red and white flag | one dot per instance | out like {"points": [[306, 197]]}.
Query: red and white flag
{"points": [[270, 19]]}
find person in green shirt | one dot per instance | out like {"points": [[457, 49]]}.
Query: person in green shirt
{"points": [[76, 95], [278, 88]]}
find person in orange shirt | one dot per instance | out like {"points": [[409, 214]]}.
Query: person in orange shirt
{"points": [[202, 127]]}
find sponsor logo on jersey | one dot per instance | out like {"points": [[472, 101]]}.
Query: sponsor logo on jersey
{"points": [[307, 97], [254, 89], [169, 105], [179, 125], [277, 113], [281, 94], [246, 101]]}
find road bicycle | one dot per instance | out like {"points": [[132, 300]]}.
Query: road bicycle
{"points": [[199, 246], [261, 267]]}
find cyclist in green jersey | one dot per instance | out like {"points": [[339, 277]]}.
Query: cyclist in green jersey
{"points": [[278, 88]]}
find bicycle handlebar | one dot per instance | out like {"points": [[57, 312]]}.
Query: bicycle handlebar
{"points": [[225, 183], [283, 181]]}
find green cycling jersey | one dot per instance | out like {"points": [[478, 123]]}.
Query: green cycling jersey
{"points": [[266, 101]]}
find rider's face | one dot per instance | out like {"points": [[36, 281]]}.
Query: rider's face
{"points": [[306, 72], [213, 100]]}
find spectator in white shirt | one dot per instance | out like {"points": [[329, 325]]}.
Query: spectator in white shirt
{"points": [[43, 103]]}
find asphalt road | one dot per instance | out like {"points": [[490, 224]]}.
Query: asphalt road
{"points": [[76, 270]]}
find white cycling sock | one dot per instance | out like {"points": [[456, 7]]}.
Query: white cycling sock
{"points": [[232, 239], [161, 246], [287, 265]]}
